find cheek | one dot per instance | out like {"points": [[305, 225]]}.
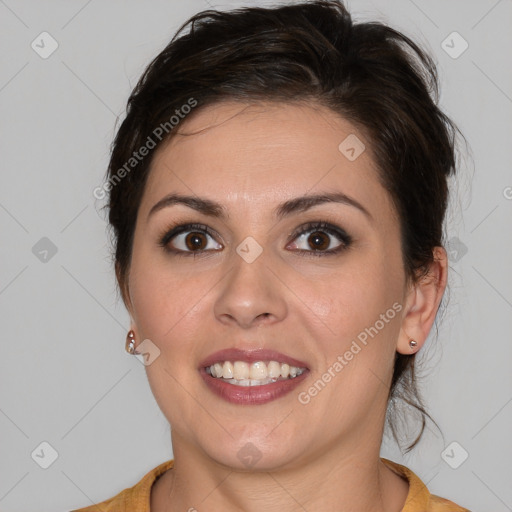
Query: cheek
{"points": [[354, 319], [343, 301], [163, 298], [166, 311]]}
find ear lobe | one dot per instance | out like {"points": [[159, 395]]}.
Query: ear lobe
{"points": [[422, 304]]}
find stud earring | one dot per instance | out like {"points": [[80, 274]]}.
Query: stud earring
{"points": [[130, 342], [413, 344]]}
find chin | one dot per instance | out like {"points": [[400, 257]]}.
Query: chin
{"points": [[253, 455]]}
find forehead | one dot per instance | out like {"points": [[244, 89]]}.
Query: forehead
{"points": [[264, 153]]}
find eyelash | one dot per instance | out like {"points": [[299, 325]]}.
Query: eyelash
{"points": [[325, 227]]}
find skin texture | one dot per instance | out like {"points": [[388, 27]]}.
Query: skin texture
{"points": [[323, 455]]}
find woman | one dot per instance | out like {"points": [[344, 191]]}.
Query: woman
{"points": [[277, 194]]}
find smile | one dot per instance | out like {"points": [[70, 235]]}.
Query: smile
{"points": [[258, 373], [251, 376]]}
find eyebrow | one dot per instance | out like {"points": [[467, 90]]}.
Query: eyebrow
{"points": [[296, 205]]}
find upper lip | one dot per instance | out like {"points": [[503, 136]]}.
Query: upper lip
{"points": [[257, 354]]}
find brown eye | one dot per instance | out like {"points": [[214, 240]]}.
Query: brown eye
{"points": [[320, 238], [190, 239], [195, 241], [318, 241]]}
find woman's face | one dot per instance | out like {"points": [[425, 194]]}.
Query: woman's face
{"points": [[331, 298]]}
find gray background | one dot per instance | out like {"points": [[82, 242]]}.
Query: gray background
{"points": [[65, 378]]}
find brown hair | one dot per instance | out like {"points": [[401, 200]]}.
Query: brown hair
{"points": [[368, 73]]}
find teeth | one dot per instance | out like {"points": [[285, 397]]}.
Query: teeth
{"points": [[227, 370], [241, 370], [258, 373], [274, 369], [217, 370], [250, 382]]}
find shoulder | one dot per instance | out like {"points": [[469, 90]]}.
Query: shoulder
{"points": [[419, 498], [437, 504], [132, 498]]}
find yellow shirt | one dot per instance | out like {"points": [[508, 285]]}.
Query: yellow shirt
{"points": [[137, 498]]}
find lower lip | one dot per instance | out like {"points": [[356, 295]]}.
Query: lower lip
{"points": [[251, 395]]}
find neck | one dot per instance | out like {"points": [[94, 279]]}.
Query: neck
{"points": [[335, 480]]}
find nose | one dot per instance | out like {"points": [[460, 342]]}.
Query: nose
{"points": [[251, 294]]}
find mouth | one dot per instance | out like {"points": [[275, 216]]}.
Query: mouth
{"points": [[251, 377], [242, 373]]}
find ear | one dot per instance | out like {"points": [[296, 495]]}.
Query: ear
{"points": [[125, 295], [122, 282], [422, 303]]}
